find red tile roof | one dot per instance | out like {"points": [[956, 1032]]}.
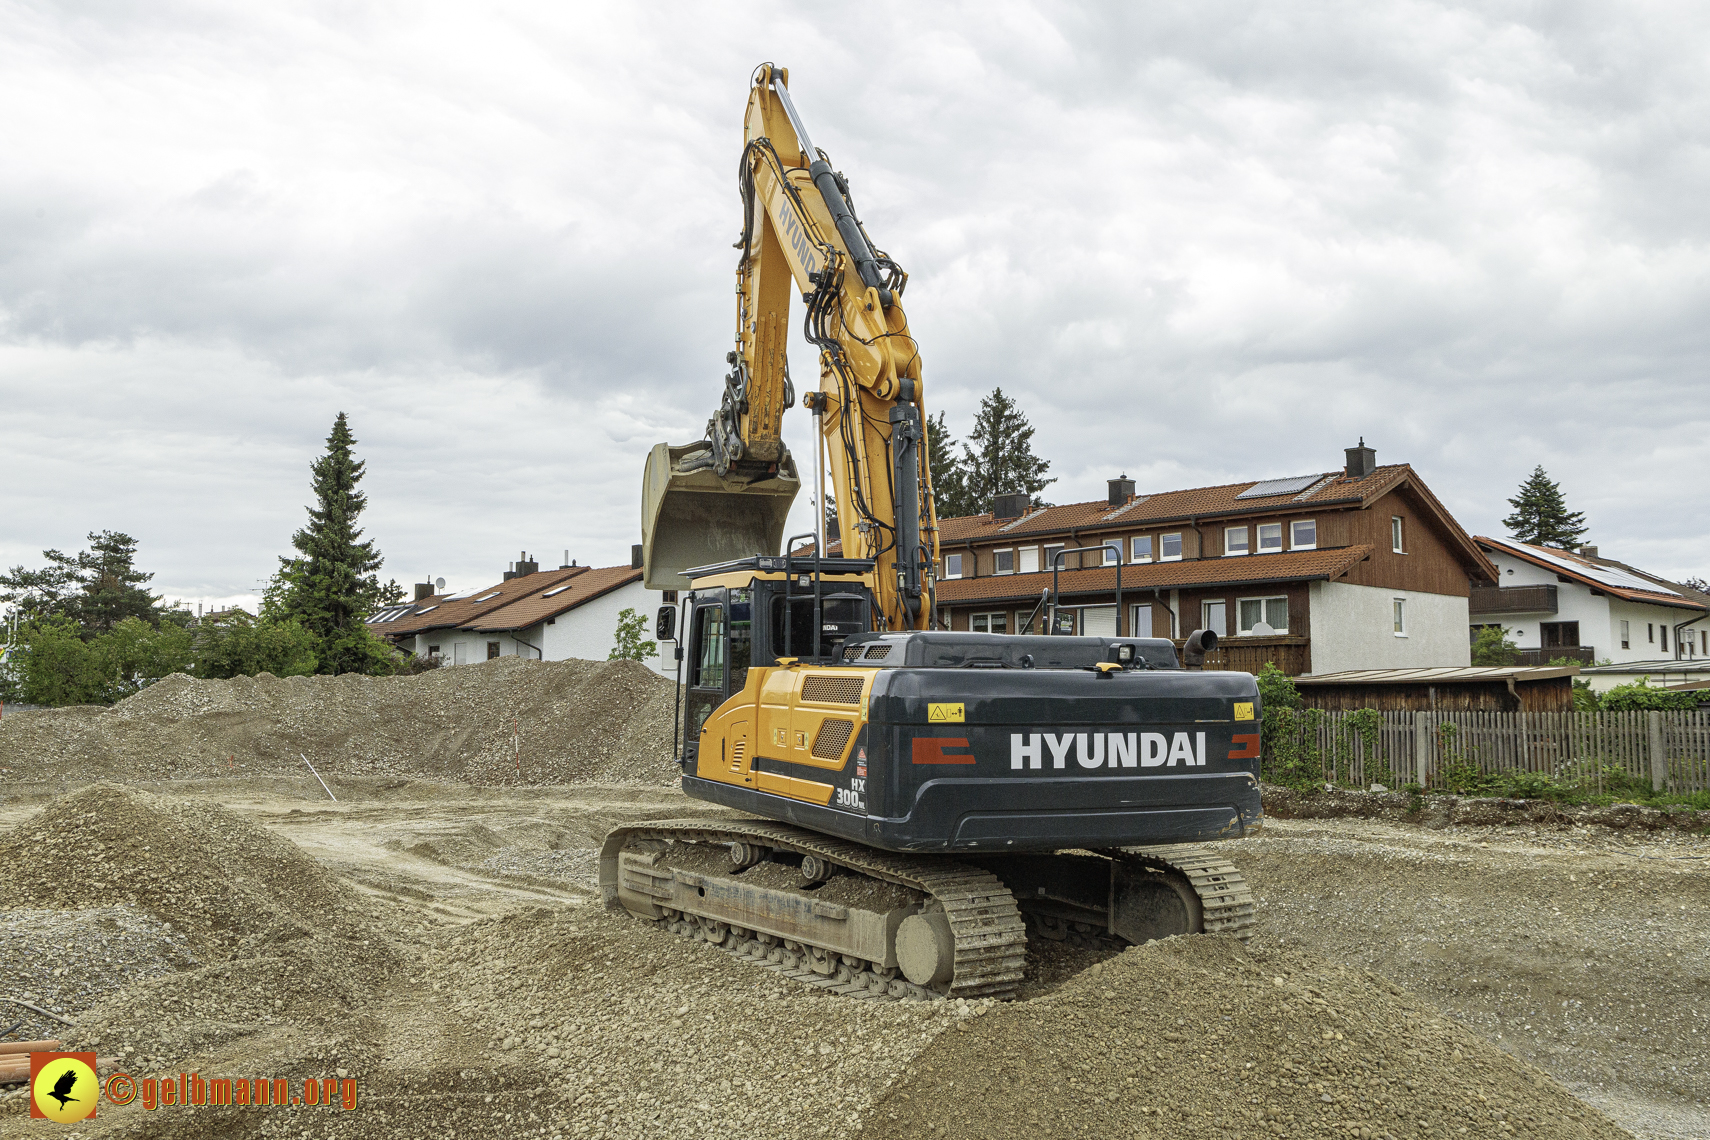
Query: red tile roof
{"points": [[1595, 573], [539, 605], [1290, 566], [1328, 488], [445, 611]]}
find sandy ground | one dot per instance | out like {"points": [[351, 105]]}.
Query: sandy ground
{"points": [[1580, 951]]}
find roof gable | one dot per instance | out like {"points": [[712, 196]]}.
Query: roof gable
{"points": [[1611, 577], [541, 605]]}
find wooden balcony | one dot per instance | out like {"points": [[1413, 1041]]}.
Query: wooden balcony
{"points": [[1293, 655], [1583, 654], [1489, 600]]}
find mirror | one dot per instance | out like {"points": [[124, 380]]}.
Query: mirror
{"points": [[665, 625]]}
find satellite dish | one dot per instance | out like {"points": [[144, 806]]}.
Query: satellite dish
{"points": [[439, 583]]}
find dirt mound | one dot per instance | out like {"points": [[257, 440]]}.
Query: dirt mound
{"points": [[507, 721], [226, 884], [1200, 1037], [264, 927]]}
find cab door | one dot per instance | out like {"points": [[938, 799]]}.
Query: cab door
{"points": [[720, 654], [709, 669]]}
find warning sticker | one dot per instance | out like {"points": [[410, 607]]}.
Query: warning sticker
{"points": [[1243, 710], [938, 712]]}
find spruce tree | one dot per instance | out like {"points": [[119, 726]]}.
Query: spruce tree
{"points": [[1541, 516], [331, 587], [97, 588], [998, 458], [949, 485]]}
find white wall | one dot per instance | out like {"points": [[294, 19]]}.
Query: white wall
{"points": [[589, 631], [1599, 618], [1353, 627]]}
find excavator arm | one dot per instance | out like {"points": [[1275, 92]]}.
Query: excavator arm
{"points": [[728, 495]]}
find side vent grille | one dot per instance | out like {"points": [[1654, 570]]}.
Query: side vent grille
{"points": [[832, 736], [851, 652], [832, 690], [738, 754], [878, 652]]}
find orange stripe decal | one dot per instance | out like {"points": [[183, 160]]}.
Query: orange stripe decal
{"points": [[1249, 749], [930, 750]]}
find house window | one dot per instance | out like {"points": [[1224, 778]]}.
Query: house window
{"points": [[1560, 634], [1262, 615], [1170, 548], [1003, 562], [1234, 542], [1140, 621], [1650, 633], [668, 597], [989, 623], [1395, 535], [1214, 616], [1624, 644], [433, 651], [1141, 547], [1051, 555], [1112, 555], [1663, 629], [1303, 534], [492, 650], [1028, 560], [1270, 537], [952, 565], [1400, 607]]}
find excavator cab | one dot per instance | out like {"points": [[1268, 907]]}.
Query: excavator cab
{"points": [[693, 516]]}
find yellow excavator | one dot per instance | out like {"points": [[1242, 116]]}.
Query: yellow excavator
{"points": [[917, 802]]}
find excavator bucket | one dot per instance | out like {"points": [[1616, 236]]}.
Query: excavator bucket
{"points": [[692, 516]]}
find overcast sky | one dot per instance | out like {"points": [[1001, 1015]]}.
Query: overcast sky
{"points": [[1198, 242]]}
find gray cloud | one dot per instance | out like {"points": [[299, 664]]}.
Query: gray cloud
{"points": [[1200, 242]]}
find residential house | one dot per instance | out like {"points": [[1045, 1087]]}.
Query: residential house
{"points": [[1356, 568], [1576, 605], [544, 615]]}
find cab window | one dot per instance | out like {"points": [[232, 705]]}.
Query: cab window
{"points": [[710, 641]]}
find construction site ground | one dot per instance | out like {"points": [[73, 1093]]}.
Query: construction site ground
{"points": [[442, 941]]}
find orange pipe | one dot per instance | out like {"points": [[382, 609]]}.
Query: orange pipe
{"points": [[48, 1045]]}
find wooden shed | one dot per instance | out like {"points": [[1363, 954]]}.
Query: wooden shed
{"points": [[1513, 688]]}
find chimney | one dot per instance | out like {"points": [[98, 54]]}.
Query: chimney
{"points": [[1588, 551], [424, 590], [1362, 460], [635, 556], [565, 565], [1121, 490], [1011, 506], [524, 566]]}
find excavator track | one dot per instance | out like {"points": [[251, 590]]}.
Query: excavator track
{"points": [[980, 913], [1226, 901], [985, 927]]}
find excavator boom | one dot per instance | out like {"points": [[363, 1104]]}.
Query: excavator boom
{"points": [[729, 494]]}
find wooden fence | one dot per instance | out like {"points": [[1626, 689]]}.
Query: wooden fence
{"points": [[1601, 751]]}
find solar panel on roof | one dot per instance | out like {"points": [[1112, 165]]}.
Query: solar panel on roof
{"points": [[1277, 487], [1608, 575]]}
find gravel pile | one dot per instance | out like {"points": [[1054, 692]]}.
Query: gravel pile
{"points": [[1200, 1037], [507, 721], [258, 931], [67, 960]]}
